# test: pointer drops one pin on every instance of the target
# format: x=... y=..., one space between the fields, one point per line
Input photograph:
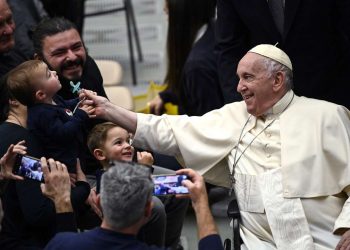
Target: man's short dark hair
x=49 y=27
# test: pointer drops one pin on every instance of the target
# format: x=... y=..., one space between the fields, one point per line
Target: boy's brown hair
x=98 y=135
x=21 y=81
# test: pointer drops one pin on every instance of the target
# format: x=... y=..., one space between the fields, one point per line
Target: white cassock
x=293 y=178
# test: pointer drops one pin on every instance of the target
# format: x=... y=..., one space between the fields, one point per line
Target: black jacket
x=316 y=38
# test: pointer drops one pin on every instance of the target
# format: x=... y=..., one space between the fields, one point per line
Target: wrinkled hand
x=156 y=105
x=78 y=175
x=344 y=243
x=196 y=187
x=92 y=201
x=82 y=96
x=57 y=184
x=7 y=162
x=145 y=158
x=98 y=103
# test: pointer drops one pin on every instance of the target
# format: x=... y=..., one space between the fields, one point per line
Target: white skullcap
x=274 y=53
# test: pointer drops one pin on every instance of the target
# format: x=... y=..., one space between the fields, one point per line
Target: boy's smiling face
x=117 y=145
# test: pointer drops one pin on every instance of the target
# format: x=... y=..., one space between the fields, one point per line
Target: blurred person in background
x=192 y=78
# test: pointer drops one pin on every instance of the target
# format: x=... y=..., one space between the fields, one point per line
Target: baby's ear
x=99 y=154
x=40 y=95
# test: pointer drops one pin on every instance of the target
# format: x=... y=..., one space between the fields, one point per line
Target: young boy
x=56 y=122
x=108 y=142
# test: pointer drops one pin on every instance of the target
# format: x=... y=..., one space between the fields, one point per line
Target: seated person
x=125 y=199
x=57 y=123
x=109 y=142
x=29 y=217
x=57 y=186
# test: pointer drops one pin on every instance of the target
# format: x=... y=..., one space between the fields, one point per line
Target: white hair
x=273 y=67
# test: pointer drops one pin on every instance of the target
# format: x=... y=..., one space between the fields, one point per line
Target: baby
x=57 y=123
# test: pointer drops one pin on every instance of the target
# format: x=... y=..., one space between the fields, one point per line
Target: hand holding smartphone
x=28 y=167
x=169 y=184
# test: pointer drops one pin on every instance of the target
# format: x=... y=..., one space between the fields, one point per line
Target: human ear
x=40 y=95
x=99 y=154
x=279 y=81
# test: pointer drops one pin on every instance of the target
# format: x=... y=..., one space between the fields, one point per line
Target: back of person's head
x=22 y=81
x=98 y=135
x=49 y=27
x=125 y=190
x=186 y=17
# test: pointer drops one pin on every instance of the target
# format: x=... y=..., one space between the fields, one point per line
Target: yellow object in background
x=140 y=101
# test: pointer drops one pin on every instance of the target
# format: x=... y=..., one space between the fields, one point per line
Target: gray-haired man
x=276 y=147
x=125 y=199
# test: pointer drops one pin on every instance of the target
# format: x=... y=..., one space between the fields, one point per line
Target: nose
x=127 y=145
x=8 y=29
x=240 y=86
x=71 y=55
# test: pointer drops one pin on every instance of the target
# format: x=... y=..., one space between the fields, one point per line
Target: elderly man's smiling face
x=257 y=87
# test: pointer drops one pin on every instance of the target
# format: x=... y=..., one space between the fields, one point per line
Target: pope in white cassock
x=289 y=155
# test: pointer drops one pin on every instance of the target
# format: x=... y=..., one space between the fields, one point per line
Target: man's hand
x=196 y=187
x=57 y=185
x=104 y=109
x=156 y=105
x=145 y=158
x=92 y=201
x=97 y=103
x=8 y=161
x=344 y=243
x=78 y=176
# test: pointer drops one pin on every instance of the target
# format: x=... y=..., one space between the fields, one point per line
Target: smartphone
x=169 y=184
x=28 y=167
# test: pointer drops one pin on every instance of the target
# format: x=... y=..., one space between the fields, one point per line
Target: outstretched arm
x=104 y=109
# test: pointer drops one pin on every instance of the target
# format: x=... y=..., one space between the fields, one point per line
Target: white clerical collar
x=281 y=105
x=201 y=32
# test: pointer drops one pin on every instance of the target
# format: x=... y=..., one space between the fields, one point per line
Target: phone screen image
x=169 y=184
x=30 y=167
